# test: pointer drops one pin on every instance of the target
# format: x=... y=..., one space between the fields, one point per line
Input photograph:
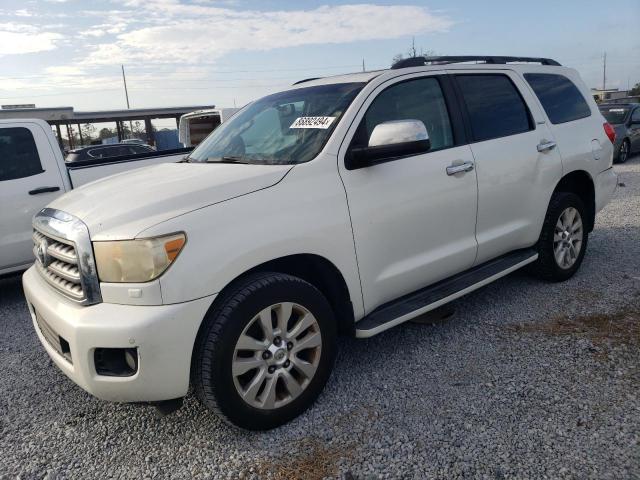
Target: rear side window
x=494 y=106
x=559 y=97
x=18 y=154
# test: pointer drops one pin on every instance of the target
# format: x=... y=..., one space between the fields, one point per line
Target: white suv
x=347 y=204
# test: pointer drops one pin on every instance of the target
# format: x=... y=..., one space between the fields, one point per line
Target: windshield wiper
x=227 y=159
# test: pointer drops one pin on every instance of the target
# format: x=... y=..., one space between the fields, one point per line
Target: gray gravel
x=527 y=380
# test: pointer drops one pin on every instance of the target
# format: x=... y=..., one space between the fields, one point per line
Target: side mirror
x=388 y=141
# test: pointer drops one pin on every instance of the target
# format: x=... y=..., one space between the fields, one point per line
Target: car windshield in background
x=284 y=128
x=614 y=115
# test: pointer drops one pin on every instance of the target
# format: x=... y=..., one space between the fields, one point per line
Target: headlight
x=136 y=260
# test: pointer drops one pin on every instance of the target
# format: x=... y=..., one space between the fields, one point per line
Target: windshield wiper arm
x=227 y=159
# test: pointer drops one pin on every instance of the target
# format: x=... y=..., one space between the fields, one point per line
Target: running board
x=415 y=304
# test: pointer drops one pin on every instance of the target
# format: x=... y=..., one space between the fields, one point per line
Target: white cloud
x=177 y=33
x=17 y=39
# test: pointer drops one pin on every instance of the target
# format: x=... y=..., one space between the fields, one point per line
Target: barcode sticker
x=313 y=122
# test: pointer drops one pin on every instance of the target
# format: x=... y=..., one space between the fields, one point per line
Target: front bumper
x=606 y=184
x=164 y=336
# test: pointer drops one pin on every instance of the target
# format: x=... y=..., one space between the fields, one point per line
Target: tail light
x=611 y=133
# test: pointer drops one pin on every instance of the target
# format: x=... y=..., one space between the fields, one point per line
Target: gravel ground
x=526 y=380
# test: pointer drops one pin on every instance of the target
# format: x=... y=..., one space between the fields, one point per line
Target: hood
x=123 y=205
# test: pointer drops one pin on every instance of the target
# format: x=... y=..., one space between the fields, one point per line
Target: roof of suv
x=430 y=63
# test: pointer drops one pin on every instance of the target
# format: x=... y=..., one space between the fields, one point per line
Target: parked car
x=625 y=119
x=33 y=173
x=93 y=152
x=342 y=205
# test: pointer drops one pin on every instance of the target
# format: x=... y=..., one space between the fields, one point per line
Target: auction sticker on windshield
x=312 y=122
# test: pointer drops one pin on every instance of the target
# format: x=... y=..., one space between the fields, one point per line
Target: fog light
x=116 y=362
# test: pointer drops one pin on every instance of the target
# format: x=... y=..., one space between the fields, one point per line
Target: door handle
x=43 y=190
x=545 y=145
x=461 y=167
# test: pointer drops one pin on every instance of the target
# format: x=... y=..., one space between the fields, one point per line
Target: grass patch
x=314 y=461
x=617 y=328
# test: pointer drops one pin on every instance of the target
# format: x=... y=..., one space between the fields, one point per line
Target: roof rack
x=421 y=61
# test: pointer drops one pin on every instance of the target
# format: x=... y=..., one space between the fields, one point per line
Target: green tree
x=635 y=90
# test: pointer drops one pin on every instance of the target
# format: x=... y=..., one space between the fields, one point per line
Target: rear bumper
x=163 y=336
x=606 y=184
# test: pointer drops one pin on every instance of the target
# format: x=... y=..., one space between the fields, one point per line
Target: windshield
x=614 y=114
x=284 y=128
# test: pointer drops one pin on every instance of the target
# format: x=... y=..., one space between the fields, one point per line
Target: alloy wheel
x=567 y=238
x=624 y=152
x=276 y=355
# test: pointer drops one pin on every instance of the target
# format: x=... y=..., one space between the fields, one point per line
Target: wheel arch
x=581 y=183
x=319 y=272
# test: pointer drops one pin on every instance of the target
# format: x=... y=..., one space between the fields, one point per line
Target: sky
x=229 y=52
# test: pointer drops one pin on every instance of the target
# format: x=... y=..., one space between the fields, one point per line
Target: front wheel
x=265 y=351
x=563 y=240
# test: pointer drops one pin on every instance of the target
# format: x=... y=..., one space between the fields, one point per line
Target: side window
x=18 y=154
x=635 y=116
x=96 y=153
x=420 y=99
x=559 y=97
x=494 y=105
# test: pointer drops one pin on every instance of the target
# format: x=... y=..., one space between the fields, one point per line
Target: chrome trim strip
x=70 y=229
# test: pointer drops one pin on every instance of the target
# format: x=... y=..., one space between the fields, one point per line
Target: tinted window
x=614 y=115
x=559 y=97
x=18 y=154
x=108 y=152
x=419 y=99
x=140 y=149
x=635 y=116
x=495 y=106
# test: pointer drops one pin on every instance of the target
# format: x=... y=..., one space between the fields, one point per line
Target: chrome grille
x=60 y=267
x=64 y=255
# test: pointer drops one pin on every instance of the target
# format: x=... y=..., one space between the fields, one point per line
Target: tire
x=623 y=152
x=233 y=323
x=548 y=266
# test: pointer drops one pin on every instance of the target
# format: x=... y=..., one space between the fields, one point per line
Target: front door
x=29 y=180
x=413 y=223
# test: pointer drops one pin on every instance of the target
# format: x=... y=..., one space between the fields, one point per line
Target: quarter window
x=421 y=99
x=559 y=97
x=18 y=154
x=494 y=106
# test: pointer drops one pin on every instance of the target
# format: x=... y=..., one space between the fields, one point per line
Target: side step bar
x=431 y=297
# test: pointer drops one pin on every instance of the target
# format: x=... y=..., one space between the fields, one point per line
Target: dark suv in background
x=625 y=119
x=106 y=151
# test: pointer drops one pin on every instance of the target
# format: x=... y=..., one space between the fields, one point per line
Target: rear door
x=516 y=161
x=29 y=180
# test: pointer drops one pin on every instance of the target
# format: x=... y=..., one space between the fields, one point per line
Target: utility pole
x=413 y=47
x=604 y=71
x=363 y=69
x=126 y=93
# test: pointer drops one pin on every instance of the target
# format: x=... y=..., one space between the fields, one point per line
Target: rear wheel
x=563 y=240
x=265 y=352
x=623 y=151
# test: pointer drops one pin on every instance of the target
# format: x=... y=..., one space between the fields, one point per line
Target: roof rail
x=306 y=80
x=421 y=61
